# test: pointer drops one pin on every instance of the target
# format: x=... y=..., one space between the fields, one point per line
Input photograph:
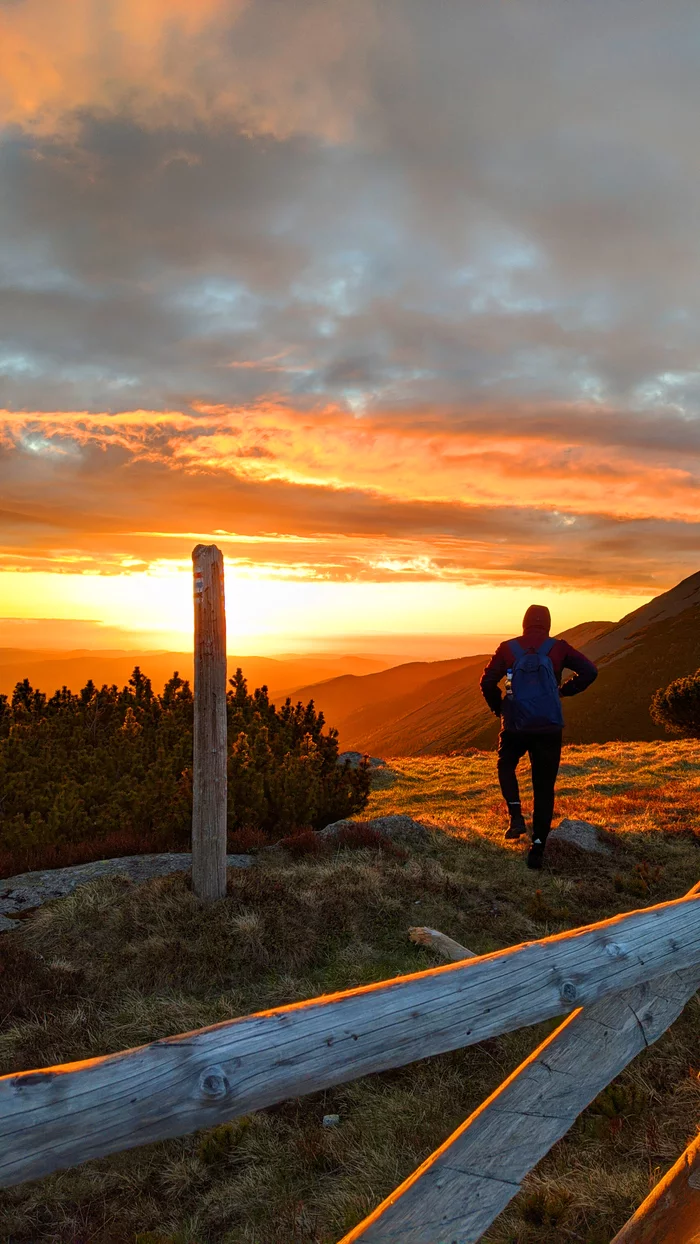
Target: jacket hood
x=537 y=617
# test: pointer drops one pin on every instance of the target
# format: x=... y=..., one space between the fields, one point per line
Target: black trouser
x=544 y=751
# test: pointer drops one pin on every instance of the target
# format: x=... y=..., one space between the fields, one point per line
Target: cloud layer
x=381 y=290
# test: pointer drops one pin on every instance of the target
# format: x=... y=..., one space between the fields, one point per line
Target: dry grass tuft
x=116 y=965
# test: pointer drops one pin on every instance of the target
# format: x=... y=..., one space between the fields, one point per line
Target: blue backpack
x=532 y=693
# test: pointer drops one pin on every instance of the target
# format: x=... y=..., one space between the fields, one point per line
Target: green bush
x=677 y=707
x=110 y=766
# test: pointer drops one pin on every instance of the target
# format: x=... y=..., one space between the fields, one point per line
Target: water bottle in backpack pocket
x=532 y=699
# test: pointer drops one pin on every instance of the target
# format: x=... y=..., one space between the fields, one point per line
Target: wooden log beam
x=456 y=1194
x=60 y=1116
x=444 y=945
x=209 y=752
x=671 y=1212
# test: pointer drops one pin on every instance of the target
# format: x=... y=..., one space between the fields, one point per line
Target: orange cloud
x=323 y=495
x=401 y=460
x=175 y=61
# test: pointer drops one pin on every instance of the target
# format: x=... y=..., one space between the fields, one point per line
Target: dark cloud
x=450 y=224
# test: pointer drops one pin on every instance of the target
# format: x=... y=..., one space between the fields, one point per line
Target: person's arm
x=496 y=669
x=585 y=672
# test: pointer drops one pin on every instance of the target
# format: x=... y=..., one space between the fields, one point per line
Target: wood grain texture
x=671 y=1212
x=209 y=756
x=61 y=1116
x=458 y=1192
x=461 y=1188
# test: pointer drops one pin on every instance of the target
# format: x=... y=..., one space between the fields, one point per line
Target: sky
x=398 y=303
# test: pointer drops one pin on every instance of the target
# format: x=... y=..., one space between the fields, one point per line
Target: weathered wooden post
x=209 y=777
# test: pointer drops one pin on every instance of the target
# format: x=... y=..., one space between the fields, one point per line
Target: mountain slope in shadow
x=428 y=708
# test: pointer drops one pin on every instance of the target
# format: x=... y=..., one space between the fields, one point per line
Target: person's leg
x=511 y=748
x=545 y=755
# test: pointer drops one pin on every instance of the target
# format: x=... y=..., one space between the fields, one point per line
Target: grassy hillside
x=434 y=709
x=617 y=705
x=630 y=629
x=116 y=965
x=356 y=705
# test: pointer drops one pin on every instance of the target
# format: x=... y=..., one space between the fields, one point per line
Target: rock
x=331 y=1120
x=582 y=835
x=397 y=827
x=29 y=890
x=6 y=926
x=356 y=759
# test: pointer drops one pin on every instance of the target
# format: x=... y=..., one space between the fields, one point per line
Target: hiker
x=532 y=718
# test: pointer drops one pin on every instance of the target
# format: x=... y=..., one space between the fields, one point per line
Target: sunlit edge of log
x=671 y=1212
x=492 y=1172
x=61 y=1116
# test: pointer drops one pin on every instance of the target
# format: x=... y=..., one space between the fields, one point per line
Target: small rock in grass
x=397 y=827
x=356 y=758
x=331 y=1120
x=581 y=834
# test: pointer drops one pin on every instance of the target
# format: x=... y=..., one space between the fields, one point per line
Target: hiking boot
x=517 y=825
x=534 y=855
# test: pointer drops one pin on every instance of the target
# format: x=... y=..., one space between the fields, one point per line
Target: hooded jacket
x=536 y=627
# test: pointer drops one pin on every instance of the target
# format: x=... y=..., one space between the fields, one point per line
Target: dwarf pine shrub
x=677 y=706
x=113 y=767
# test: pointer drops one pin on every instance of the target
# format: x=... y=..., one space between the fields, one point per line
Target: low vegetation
x=116 y=964
x=677 y=707
x=108 y=772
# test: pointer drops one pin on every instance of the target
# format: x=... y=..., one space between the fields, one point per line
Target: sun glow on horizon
x=265 y=614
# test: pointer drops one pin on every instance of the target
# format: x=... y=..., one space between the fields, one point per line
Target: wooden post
x=671 y=1212
x=209 y=762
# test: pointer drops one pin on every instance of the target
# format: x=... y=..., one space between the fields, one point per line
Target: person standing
x=531 y=717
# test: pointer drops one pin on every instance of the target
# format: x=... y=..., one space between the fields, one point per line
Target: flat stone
x=397 y=826
x=581 y=834
x=29 y=890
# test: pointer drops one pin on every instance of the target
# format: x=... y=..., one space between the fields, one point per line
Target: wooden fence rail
x=61 y=1116
x=671 y=1212
x=457 y=1192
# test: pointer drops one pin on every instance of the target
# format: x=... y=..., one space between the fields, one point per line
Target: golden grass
x=116 y=965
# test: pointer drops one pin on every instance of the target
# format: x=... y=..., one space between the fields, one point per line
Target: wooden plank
x=209 y=758
x=671 y=1212
x=61 y=1116
x=461 y=1188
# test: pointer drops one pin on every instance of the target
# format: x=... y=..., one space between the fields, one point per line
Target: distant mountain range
x=426 y=707
x=49 y=669
x=435 y=707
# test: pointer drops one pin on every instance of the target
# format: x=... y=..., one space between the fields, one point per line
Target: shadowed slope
x=436 y=708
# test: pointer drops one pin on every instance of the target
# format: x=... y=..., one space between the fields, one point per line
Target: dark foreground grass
x=116 y=965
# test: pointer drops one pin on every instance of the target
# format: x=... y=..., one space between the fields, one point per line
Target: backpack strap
x=545 y=648
x=516 y=649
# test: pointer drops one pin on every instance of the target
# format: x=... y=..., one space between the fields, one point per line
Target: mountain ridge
x=443 y=710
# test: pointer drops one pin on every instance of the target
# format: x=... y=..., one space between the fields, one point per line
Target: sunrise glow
x=409 y=375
